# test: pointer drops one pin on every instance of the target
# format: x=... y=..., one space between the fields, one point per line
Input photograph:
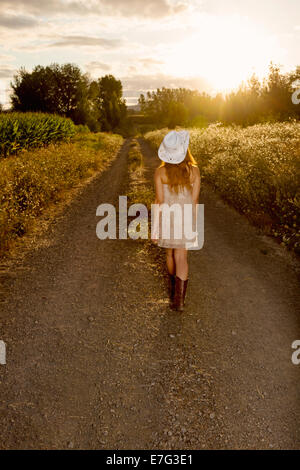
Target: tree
x=107 y=96
x=179 y=106
x=61 y=89
x=276 y=94
x=177 y=114
x=294 y=83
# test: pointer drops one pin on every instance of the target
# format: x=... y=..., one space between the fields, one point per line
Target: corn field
x=256 y=169
x=20 y=131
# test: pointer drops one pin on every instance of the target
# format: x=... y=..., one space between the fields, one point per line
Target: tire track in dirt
x=240 y=321
x=97 y=360
x=91 y=361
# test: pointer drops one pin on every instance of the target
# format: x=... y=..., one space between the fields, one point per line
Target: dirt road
x=95 y=359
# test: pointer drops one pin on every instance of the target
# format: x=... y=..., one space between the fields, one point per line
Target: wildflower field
x=34 y=179
x=256 y=169
x=20 y=131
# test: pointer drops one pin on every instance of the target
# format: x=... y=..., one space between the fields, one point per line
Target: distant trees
x=270 y=100
x=178 y=106
x=65 y=90
x=255 y=101
x=177 y=114
x=107 y=97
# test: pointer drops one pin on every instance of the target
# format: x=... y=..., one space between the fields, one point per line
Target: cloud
x=17 y=21
x=86 y=41
x=7 y=71
x=151 y=8
x=38 y=7
x=95 y=65
x=142 y=81
x=6 y=57
x=135 y=85
x=131 y=101
x=148 y=62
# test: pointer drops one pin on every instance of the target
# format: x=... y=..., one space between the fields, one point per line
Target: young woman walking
x=177 y=182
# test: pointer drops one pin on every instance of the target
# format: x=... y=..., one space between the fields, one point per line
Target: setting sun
x=225 y=51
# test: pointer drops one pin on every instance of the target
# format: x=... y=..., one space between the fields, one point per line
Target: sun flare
x=225 y=51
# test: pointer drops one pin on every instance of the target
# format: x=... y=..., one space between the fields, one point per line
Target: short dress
x=178 y=228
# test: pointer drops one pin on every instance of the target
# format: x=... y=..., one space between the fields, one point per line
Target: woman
x=177 y=181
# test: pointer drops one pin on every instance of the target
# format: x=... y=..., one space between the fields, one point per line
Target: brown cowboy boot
x=184 y=290
x=180 y=291
x=172 y=279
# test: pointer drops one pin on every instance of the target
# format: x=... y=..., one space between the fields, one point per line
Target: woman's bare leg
x=181 y=262
x=170 y=260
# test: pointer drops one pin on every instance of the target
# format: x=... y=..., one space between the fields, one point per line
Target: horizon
x=154 y=47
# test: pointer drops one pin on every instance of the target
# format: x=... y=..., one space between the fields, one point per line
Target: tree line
x=255 y=101
x=66 y=91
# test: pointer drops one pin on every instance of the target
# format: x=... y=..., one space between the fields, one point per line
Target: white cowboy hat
x=174 y=147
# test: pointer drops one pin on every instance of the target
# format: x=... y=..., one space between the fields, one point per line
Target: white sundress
x=179 y=229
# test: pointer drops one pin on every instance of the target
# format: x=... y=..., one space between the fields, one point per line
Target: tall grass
x=139 y=192
x=256 y=169
x=20 y=131
x=35 y=179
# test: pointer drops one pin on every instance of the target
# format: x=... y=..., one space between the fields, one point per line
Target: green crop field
x=19 y=131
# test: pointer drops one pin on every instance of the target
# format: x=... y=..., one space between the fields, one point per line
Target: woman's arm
x=196 y=185
x=159 y=194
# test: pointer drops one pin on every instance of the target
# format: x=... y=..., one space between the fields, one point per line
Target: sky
x=209 y=45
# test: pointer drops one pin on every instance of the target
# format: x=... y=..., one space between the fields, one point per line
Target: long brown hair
x=179 y=174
